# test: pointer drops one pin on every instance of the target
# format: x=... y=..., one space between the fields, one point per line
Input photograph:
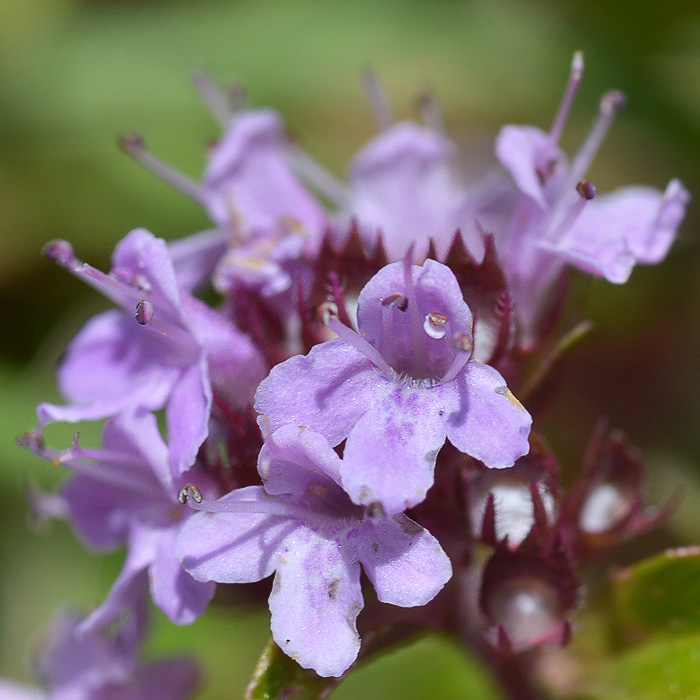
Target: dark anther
x=189 y=491
x=144 y=312
x=586 y=189
x=396 y=299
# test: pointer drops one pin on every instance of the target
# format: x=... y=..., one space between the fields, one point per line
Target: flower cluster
x=389 y=439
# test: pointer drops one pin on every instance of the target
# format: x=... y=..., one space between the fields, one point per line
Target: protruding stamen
x=59 y=251
x=144 y=312
x=325 y=183
x=213 y=97
x=377 y=98
x=430 y=112
x=610 y=104
x=395 y=300
x=189 y=491
x=562 y=114
x=237 y=96
x=134 y=146
x=586 y=189
x=435 y=324
x=191 y=496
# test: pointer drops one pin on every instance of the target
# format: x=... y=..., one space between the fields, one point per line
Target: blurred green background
x=74 y=73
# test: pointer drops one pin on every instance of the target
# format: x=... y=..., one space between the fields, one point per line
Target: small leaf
x=277 y=677
x=659 y=596
x=657 y=671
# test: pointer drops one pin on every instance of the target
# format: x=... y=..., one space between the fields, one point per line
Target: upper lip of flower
x=437 y=348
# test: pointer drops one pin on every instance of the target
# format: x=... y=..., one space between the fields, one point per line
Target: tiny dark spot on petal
x=332 y=589
x=407 y=525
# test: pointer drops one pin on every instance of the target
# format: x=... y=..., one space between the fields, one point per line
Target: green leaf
x=658 y=671
x=277 y=677
x=659 y=596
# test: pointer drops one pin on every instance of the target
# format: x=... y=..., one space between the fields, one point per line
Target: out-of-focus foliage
x=656 y=613
x=74 y=73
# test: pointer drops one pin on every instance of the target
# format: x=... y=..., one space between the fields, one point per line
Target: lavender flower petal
x=315 y=583
x=174 y=591
x=390 y=453
x=483 y=418
x=405 y=563
x=328 y=390
x=232 y=547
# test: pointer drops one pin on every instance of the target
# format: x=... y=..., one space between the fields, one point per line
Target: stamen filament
x=104 y=468
x=430 y=112
x=388 y=332
x=417 y=333
x=134 y=146
x=567 y=99
x=462 y=343
x=378 y=100
x=586 y=192
x=610 y=105
x=265 y=505
x=359 y=343
x=317 y=176
x=213 y=97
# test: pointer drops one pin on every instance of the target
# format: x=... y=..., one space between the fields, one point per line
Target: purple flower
x=398 y=388
x=162 y=348
x=265 y=216
x=78 y=665
x=303 y=526
x=406 y=189
x=126 y=492
x=558 y=218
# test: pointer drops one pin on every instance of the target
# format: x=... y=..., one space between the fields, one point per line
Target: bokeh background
x=75 y=73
